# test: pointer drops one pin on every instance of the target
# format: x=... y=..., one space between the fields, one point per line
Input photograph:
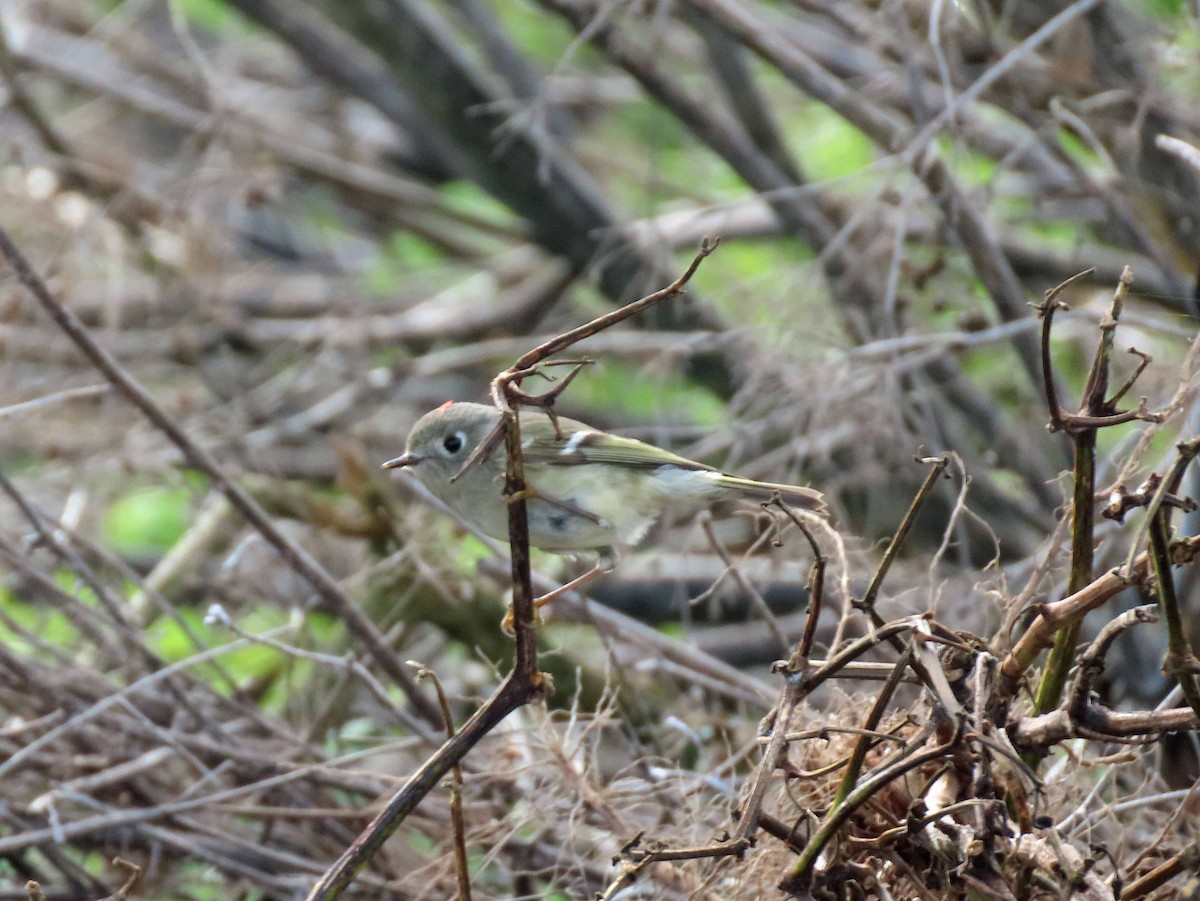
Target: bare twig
x=874 y=716
x=1046 y=310
x=55 y=397
x=1091 y=661
x=756 y=598
x=936 y=466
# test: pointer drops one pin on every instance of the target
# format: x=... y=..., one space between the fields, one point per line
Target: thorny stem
x=1083 y=522
x=1053 y=616
x=518 y=537
x=1165 y=493
x=1096 y=411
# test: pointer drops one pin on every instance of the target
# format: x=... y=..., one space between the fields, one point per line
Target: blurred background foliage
x=302 y=224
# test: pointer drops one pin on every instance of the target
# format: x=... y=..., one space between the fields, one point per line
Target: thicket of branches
x=248 y=242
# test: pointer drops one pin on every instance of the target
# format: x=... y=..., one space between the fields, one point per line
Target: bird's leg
x=606 y=564
x=598 y=570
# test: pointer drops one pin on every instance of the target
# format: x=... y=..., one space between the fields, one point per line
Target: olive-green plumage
x=594 y=491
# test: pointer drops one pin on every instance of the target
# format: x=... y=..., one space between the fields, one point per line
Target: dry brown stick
x=936 y=466
x=733 y=569
x=1091 y=661
x=1096 y=411
x=933 y=679
x=855 y=649
x=1181 y=862
x=1098 y=723
x=639 y=859
x=299 y=559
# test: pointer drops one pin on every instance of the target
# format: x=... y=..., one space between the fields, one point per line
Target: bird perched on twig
x=589 y=491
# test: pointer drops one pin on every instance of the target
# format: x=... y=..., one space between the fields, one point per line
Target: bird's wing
x=583 y=445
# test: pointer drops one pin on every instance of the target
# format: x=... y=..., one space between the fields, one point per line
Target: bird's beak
x=402 y=461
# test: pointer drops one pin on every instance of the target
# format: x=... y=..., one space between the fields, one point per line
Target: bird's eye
x=453 y=443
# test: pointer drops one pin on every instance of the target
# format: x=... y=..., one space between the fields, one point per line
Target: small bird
x=589 y=491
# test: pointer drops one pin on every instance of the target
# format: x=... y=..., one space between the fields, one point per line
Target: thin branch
x=55 y=397
x=1091 y=661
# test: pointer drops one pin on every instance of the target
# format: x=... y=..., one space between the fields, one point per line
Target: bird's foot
x=508 y=625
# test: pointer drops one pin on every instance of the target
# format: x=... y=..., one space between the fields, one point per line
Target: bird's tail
x=792 y=495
